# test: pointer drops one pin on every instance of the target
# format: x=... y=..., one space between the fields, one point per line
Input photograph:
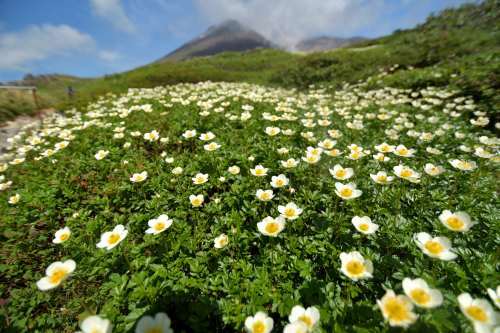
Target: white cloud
x=112 y=11
x=288 y=21
x=38 y=42
x=109 y=56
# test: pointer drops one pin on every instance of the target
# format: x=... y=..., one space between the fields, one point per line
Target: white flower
x=406 y=173
x=259 y=323
x=207 y=136
x=159 y=224
x=381 y=157
x=264 y=195
x=402 y=151
x=271 y=226
x=347 y=191
x=14 y=199
x=435 y=247
x=234 y=170
x=309 y=317
x=177 y=170
x=101 y=154
x=340 y=173
x=221 y=241
x=200 y=178
x=458 y=221
x=311 y=158
x=479 y=311
x=279 y=181
x=196 y=200
x=421 y=294
x=211 y=146
x=433 y=170
x=463 y=165
x=96 y=324
x=495 y=296
x=272 y=131
x=355 y=266
x=259 y=171
x=364 y=225
x=296 y=327
x=397 y=309
x=384 y=148
x=56 y=273
x=61 y=235
x=290 y=163
x=6 y=185
x=139 y=177
x=189 y=134
x=381 y=178
x=160 y=323
x=290 y=211
x=152 y=136
x=110 y=239
x=169 y=160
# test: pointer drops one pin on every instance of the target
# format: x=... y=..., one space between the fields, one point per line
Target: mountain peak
x=229 y=35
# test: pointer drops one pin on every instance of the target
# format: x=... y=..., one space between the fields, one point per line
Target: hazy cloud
x=39 y=42
x=112 y=11
x=110 y=56
x=288 y=21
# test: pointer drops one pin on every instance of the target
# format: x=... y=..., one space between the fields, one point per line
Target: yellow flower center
x=259 y=171
x=382 y=178
x=455 y=223
x=265 y=196
x=306 y=320
x=396 y=310
x=340 y=173
x=355 y=267
x=420 y=296
x=477 y=313
x=258 y=327
x=58 y=275
x=464 y=165
x=155 y=329
x=196 y=202
x=64 y=237
x=159 y=226
x=272 y=227
x=289 y=212
x=405 y=173
x=113 y=238
x=280 y=182
x=434 y=247
x=346 y=192
x=403 y=151
x=355 y=154
x=364 y=227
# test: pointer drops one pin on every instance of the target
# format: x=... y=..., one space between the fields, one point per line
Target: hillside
x=349 y=191
x=461 y=44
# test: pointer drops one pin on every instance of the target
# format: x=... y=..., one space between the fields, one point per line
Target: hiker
x=71 y=92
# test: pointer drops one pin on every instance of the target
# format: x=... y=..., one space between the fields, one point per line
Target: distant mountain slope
x=227 y=36
x=325 y=43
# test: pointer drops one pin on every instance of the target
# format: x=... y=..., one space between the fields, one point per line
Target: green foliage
x=207 y=289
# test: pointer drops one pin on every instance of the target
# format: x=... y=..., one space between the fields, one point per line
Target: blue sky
x=96 y=37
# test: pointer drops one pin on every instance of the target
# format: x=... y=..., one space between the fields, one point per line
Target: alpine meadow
x=347 y=190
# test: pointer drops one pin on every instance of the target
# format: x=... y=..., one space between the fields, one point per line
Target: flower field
x=232 y=207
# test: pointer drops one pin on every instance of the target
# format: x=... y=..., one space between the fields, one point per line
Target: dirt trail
x=14 y=126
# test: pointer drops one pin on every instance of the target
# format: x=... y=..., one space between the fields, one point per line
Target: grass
x=203 y=288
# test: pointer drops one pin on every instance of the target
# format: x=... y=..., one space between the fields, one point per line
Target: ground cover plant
x=223 y=207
